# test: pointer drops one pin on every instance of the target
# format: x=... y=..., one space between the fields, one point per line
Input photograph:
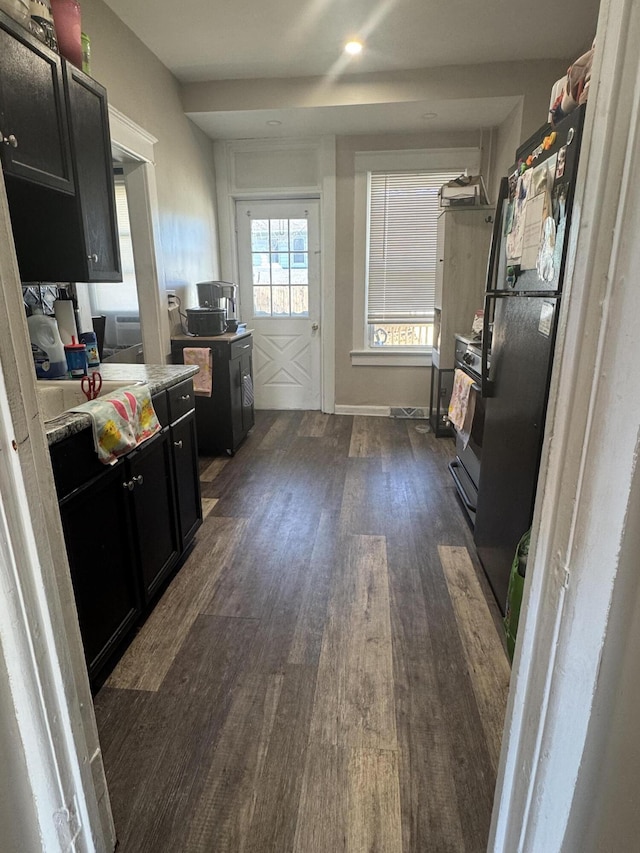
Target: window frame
x=452 y=159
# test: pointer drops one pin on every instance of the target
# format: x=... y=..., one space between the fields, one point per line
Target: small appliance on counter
x=204 y=322
x=217 y=301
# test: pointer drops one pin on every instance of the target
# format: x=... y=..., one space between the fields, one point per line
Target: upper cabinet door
x=91 y=144
x=33 y=122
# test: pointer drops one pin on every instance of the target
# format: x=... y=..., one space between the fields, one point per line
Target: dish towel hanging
x=202 y=358
x=462 y=405
x=121 y=421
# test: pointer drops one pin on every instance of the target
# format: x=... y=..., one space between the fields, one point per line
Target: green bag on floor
x=514 y=594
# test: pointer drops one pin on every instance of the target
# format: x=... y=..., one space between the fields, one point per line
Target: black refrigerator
x=522 y=300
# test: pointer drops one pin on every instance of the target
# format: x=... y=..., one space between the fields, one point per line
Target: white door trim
x=287 y=350
x=325 y=190
x=588 y=478
x=136 y=146
x=43 y=678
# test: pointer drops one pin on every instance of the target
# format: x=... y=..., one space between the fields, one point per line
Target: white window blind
x=119 y=296
x=402 y=232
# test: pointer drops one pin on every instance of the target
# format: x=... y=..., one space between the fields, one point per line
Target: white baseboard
x=371 y=411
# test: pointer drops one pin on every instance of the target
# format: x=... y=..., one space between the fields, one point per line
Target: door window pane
x=281 y=301
x=262 y=301
x=280 y=267
x=300 y=301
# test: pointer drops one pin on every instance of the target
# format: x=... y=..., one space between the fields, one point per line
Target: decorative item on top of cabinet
x=34 y=130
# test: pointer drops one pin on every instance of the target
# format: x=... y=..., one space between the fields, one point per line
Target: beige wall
x=410 y=386
x=145 y=91
x=363 y=385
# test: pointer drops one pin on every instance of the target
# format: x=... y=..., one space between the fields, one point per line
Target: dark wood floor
x=325 y=673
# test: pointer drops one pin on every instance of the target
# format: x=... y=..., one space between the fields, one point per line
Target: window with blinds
x=119 y=296
x=403 y=208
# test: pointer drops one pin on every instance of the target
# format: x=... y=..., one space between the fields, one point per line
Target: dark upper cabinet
x=95 y=197
x=63 y=230
x=34 y=129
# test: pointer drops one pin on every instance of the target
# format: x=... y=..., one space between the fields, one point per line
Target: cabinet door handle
x=138 y=480
x=10 y=140
x=129 y=484
x=178 y=444
x=246 y=346
x=93 y=258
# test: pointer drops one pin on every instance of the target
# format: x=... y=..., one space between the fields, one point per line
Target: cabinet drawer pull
x=186 y=397
x=129 y=484
x=178 y=444
x=138 y=480
x=10 y=140
x=93 y=258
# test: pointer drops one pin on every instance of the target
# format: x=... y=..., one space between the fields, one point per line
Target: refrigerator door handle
x=496 y=239
x=486 y=389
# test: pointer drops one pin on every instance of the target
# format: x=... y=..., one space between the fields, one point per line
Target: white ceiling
x=200 y=40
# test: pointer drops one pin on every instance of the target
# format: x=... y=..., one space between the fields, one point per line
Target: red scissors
x=91 y=385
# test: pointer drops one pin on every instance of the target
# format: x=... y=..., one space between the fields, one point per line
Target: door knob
x=314 y=327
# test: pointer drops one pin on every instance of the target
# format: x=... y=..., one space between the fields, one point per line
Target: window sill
x=389 y=358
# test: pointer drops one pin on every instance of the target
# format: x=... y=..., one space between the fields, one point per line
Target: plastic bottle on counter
x=76 y=357
x=46 y=346
x=90 y=340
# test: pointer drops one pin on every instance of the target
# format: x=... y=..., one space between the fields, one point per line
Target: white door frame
x=570 y=634
x=137 y=149
x=325 y=190
x=43 y=678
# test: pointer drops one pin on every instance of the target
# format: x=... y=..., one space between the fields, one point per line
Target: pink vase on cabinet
x=67 y=20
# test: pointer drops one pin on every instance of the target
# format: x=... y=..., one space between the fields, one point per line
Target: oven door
x=465 y=468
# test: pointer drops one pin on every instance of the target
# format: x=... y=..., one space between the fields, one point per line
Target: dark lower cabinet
x=153 y=504
x=97 y=531
x=128 y=526
x=185 y=461
x=223 y=419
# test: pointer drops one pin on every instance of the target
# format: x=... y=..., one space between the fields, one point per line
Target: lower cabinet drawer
x=181 y=399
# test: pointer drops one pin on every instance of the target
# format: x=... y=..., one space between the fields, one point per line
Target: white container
x=46 y=346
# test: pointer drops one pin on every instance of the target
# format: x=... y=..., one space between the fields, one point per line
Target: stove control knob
x=467 y=358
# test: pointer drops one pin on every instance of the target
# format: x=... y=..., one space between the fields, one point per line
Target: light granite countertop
x=156 y=376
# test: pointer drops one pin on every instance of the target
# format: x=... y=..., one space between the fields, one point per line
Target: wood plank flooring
x=325 y=674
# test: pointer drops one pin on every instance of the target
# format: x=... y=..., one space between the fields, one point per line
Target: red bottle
x=66 y=17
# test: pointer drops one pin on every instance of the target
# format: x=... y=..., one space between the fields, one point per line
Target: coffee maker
x=217 y=301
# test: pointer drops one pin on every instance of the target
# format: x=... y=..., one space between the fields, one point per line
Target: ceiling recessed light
x=429 y=116
x=274 y=122
x=353 y=47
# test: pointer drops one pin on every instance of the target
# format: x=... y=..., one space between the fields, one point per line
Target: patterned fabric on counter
x=121 y=421
x=202 y=358
x=462 y=405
